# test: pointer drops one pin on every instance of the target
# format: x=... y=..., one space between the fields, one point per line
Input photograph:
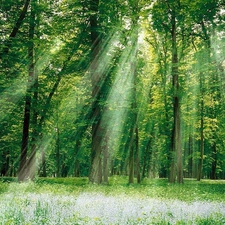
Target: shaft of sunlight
x=17 y=89
x=119 y=99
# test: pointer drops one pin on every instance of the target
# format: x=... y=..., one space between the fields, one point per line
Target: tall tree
x=24 y=172
x=134 y=164
x=204 y=18
x=169 y=24
x=177 y=147
x=96 y=162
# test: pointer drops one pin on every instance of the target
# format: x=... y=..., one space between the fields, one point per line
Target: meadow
x=72 y=201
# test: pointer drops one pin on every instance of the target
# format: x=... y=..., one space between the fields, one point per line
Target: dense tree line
x=94 y=88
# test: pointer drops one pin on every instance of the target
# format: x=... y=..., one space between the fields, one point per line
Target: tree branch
x=16 y=27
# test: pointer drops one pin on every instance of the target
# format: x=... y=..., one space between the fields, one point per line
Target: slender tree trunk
x=96 y=162
x=164 y=169
x=32 y=165
x=32 y=159
x=5 y=159
x=134 y=148
x=131 y=165
x=200 y=165
x=105 y=161
x=178 y=144
x=146 y=158
x=23 y=173
x=176 y=154
x=24 y=148
x=31 y=162
x=137 y=160
x=7 y=163
x=42 y=169
x=134 y=164
x=202 y=84
x=16 y=28
x=58 y=164
x=214 y=162
x=190 y=152
x=77 y=168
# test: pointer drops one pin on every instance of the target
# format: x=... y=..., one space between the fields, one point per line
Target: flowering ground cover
x=67 y=203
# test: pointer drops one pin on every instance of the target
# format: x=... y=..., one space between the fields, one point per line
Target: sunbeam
x=118 y=101
x=17 y=89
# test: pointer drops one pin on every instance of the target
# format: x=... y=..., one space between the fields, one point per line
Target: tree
x=134 y=164
x=15 y=29
x=169 y=24
x=24 y=171
x=114 y=87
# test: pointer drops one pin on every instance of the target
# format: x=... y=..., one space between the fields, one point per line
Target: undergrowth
x=191 y=190
x=75 y=201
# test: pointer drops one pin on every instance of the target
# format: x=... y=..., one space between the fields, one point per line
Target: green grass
x=191 y=190
x=46 y=198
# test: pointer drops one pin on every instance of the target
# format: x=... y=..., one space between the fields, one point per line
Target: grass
x=74 y=201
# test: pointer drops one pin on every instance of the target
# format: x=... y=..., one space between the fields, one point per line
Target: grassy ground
x=74 y=201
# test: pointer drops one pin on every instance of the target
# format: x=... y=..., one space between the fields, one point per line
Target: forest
x=94 y=88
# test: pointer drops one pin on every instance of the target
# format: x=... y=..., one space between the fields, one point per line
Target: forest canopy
x=100 y=88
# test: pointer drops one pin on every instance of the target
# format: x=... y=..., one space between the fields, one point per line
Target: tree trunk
x=96 y=162
x=23 y=168
x=105 y=162
x=202 y=86
x=26 y=166
x=176 y=153
x=200 y=165
x=147 y=158
x=134 y=164
x=22 y=175
x=31 y=162
x=190 y=152
x=15 y=28
x=77 y=168
x=131 y=165
x=58 y=161
x=96 y=154
x=42 y=170
x=137 y=157
x=214 y=162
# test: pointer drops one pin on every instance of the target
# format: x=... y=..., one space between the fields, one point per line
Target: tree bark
x=23 y=168
x=131 y=165
x=202 y=84
x=190 y=152
x=214 y=162
x=200 y=165
x=176 y=154
x=105 y=161
x=134 y=164
x=96 y=154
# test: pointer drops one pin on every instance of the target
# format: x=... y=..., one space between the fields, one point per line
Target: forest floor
x=73 y=201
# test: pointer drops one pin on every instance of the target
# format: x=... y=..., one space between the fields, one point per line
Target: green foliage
x=62 y=47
